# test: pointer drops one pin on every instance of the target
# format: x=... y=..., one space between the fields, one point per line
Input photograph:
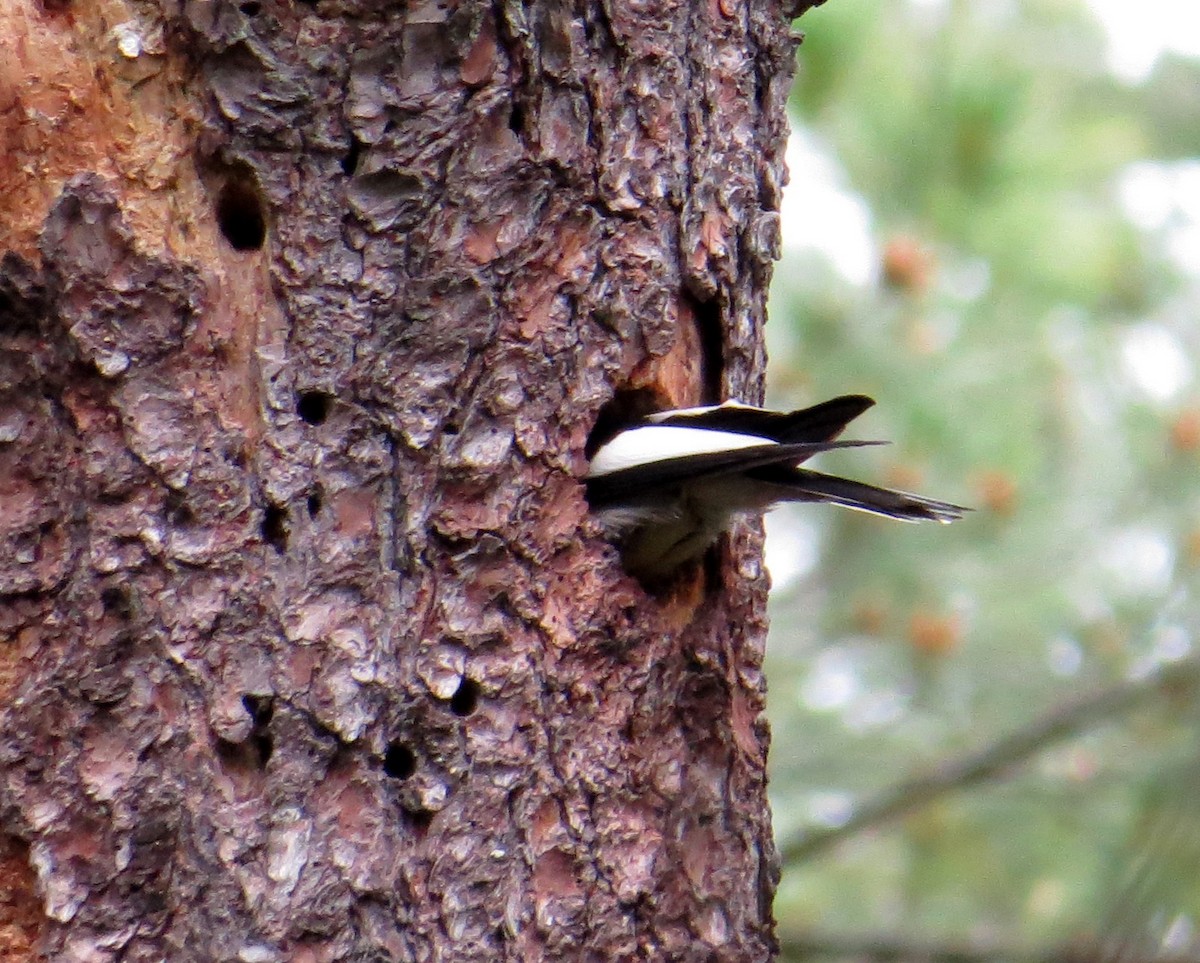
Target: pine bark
x=310 y=649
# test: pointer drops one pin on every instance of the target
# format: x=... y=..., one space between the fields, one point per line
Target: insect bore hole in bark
x=466 y=698
x=261 y=709
x=117 y=600
x=275 y=527
x=418 y=821
x=516 y=118
x=263 y=746
x=313 y=406
x=240 y=215
x=711 y=333
x=399 y=762
x=353 y=153
x=177 y=509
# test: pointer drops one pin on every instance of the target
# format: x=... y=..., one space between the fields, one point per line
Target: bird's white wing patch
x=651 y=443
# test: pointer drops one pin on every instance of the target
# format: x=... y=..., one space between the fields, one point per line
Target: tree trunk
x=311 y=650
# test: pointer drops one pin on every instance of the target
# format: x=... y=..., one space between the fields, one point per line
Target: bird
x=665 y=486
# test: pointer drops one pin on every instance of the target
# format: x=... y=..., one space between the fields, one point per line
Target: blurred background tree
x=986 y=735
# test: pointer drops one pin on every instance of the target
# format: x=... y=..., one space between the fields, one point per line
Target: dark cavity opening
x=275 y=528
x=179 y=512
x=707 y=315
x=418 y=821
x=262 y=745
x=313 y=406
x=117 y=600
x=624 y=409
x=260 y=708
x=516 y=118
x=466 y=698
x=353 y=153
x=254 y=753
x=240 y=215
x=399 y=761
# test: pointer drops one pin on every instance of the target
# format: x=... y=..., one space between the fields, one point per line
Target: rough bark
x=310 y=649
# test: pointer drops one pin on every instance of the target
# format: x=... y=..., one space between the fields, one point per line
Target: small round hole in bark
x=706 y=314
x=254 y=753
x=351 y=158
x=418 y=820
x=275 y=528
x=230 y=753
x=117 y=600
x=251 y=8
x=399 y=761
x=259 y=707
x=314 y=503
x=263 y=745
x=516 y=118
x=240 y=215
x=313 y=406
x=466 y=698
x=178 y=511
x=256 y=750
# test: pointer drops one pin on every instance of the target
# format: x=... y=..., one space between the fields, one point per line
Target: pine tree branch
x=895 y=948
x=955 y=774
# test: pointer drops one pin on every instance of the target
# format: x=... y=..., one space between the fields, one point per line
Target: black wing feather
x=645 y=479
x=822 y=422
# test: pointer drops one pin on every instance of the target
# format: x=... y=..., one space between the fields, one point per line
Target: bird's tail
x=811 y=486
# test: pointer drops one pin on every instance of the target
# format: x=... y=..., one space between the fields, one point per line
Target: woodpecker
x=665 y=487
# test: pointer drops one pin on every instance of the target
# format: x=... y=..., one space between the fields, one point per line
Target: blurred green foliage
x=1031 y=336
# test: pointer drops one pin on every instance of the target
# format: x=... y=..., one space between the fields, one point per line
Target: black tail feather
x=812 y=486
